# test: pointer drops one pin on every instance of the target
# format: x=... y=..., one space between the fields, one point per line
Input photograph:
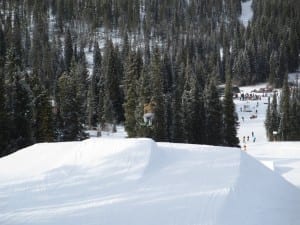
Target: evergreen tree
x=144 y=89
x=70 y=109
x=4 y=122
x=294 y=116
x=230 y=116
x=268 y=120
x=284 y=124
x=213 y=109
x=93 y=94
x=176 y=108
x=193 y=109
x=68 y=50
x=274 y=118
x=43 y=123
x=132 y=74
x=22 y=114
x=159 y=126
x=112 y=77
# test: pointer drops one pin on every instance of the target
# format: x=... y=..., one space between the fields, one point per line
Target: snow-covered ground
x=116 y=181
x=282 y=157
x=247 y=12
x=137 y=181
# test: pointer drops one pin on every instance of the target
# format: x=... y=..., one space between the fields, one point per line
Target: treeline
x=283 y=119
x=187 y=107
x=51 y=92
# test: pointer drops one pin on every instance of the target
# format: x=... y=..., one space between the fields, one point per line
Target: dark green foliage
x=284 y=124
x=285 y=118
x=272 y=119
x=113 y=74
x=132 y=74
x=294 y=128
x=44 y=39
x=214 y=120
x=193 y=110
x=94 y=90
x=44 y=124
x=230 y=116
x=159 y=122
x=68 y=50
x=22 y=115
x=4 y=119
x=70 y=108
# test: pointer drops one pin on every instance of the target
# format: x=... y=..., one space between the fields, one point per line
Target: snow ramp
x=140 y=182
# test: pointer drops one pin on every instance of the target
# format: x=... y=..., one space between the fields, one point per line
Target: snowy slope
x=282 y=157
x=138 y=181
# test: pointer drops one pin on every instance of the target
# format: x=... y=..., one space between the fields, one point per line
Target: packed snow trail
x=138 y=181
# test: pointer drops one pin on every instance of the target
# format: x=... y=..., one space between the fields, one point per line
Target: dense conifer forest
x=71 y=65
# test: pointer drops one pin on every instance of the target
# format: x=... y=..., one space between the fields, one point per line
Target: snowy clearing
x=282 y=157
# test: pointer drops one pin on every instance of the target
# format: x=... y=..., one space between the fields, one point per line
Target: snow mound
x=138 y=181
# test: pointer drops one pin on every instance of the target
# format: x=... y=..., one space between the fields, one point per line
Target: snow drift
x=140 y=182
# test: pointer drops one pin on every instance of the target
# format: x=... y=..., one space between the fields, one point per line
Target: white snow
x=116 y=181
x=282 y=157
x=247 y=12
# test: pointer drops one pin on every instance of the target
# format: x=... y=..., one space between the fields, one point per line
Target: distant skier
x=245 y=147
x=247 y=138
x=254 y=139
x=252 y=134
x=244 y=139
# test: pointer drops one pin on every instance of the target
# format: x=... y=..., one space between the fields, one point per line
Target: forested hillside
x=70 y=65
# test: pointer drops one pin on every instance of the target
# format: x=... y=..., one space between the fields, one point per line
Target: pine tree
x=268 y=120
x=284 y=124
x=68 y=50
x=159 y=126
x=130 y=83
x=294 y=116
x=230 y=116
x=112 y=77
x=43 y=116
x=93 y=93
x=144 y=90
x=4 y=122
x=176 y=107
x=193 y=109
x=274 y=119
x=22 y=114
x=70 y=108
x=213 y=109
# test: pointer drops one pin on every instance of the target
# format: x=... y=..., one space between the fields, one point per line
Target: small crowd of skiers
x=247 y=139
x=247 y=96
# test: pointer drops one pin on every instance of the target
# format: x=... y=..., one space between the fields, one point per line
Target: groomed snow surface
x=117 y=181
